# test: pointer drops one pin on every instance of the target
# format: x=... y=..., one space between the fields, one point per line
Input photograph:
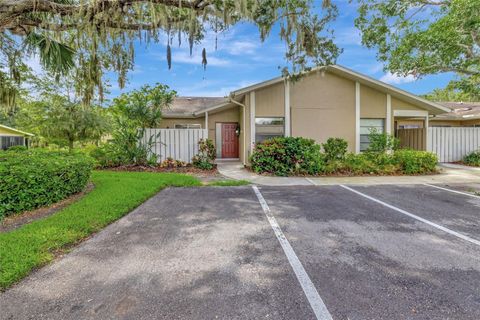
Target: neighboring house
x=10 y=137
x=326 y=102
x=462 y=114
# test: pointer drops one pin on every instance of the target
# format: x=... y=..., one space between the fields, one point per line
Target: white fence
x=452 y=144
x=179 y=144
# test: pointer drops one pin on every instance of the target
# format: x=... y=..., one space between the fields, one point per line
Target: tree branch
x=11 y=11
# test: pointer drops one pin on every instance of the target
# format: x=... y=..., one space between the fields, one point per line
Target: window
x=366 y=126
x=10 y=141
x=266 y=128
x=188 y=126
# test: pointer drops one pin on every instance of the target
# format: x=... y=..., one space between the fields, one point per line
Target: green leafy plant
x=416 y=162
x=172 y=163
x=205 y=159
x=133 y=113
x=382 y=142
x=335 y=149
x=284 y=156
x=35 y=178
x=472 y=159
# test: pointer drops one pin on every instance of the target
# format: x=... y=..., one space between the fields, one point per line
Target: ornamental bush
x=205 y=159
x=300 y=156
x=415 y=162
x=472 y=159
x=335 y=149
x=288 y=156
x=34 y=178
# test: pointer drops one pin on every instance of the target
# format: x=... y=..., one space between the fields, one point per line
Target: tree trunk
x=70 y=145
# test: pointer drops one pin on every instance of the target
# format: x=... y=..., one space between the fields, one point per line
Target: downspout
x=243 y=124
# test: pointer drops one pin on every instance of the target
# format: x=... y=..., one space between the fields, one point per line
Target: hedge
x=300 y=156
x=35 y=178
x=472 y=159
x=285 y=156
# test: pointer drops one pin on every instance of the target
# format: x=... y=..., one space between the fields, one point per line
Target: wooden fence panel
x=453 y=143
x=412 y=138
x=179 y=144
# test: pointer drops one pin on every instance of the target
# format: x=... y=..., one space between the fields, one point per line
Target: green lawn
x=115 y=194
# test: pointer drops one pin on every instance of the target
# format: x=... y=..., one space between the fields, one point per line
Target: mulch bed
x=203 y=175
x=13 y=222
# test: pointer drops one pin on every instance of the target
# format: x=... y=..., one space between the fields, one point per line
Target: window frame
x=267 y=135
x=366 y=143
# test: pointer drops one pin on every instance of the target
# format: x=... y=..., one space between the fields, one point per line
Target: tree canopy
x=422 y=37
x=99 y=35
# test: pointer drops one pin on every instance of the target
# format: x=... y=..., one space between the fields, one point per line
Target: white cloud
x=209 y=88
x=242 y=47
x=196 y=58
x=348 y=37
x=392 y=78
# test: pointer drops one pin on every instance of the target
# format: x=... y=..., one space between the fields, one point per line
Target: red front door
x=229 y=140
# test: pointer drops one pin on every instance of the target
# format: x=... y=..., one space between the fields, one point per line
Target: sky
x=241 y=59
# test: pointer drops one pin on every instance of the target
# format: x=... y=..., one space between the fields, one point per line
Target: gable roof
x=16 y=131
x=190 y=106
x=433 y=107
x=460 y=111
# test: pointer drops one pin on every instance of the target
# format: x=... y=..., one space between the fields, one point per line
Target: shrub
x=382 y=142
x=472 y=159
x=206 y=155
x=172 y=163
x=415 y=162
x=335 y=149
x=35 y=178
x=288 y=155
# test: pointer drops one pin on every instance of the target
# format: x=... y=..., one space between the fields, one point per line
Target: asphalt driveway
x=303 y=252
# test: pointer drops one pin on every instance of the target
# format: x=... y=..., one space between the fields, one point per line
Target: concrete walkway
x=449 y=174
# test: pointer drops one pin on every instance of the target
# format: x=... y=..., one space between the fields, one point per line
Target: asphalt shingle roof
x=186 y=106
x=460 y=110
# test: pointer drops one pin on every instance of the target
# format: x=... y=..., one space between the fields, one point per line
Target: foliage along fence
x=453 y=143
x=450 y=144
x=179 y=144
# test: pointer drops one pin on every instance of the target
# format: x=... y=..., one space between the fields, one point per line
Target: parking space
x=370 y=262
x=300 y=252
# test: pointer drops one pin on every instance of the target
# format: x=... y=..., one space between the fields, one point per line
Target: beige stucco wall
x=323 y=106
x=373 y=103
x=270 y=101
x=398 y=104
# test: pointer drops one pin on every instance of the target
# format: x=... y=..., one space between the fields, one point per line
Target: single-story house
x=462 y=114
x=326 y=102
x=10 y=137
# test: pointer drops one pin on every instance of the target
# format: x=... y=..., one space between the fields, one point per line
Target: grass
x=115 y=194
x=228 y=183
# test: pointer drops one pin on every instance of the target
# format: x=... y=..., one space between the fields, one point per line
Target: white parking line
x=430 y=223
x=316 y=302
x=454 y=191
